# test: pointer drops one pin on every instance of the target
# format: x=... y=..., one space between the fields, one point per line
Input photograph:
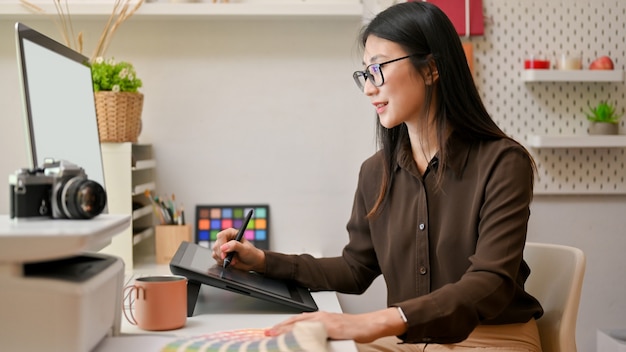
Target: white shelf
x=143 y=235
x=578 y=141
x=141 y=212
x=144 y=165
x=572 y=76
x=159 y=10
x=140 y=189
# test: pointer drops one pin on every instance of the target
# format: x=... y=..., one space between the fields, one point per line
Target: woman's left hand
x=361 y=328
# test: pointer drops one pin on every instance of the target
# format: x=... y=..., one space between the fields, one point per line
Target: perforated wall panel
x=516 y=28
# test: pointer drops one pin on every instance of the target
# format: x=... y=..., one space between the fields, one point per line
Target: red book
x=456 y=11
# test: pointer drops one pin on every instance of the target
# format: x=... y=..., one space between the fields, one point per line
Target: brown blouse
x=451 y=255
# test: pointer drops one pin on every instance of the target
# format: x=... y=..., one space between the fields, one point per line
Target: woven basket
x=119 y=116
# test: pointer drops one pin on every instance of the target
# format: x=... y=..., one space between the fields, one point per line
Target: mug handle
x=128 y=294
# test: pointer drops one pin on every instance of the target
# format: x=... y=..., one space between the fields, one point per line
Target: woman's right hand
x=247 y=256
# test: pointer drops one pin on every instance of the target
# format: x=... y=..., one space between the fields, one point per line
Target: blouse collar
x=458 y=154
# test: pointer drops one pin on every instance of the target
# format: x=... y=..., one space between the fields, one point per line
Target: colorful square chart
x=211 y=219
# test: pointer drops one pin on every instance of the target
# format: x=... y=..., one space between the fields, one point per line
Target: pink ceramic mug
x=157 y=302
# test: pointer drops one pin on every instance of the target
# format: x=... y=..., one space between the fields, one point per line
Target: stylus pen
x=238 y=238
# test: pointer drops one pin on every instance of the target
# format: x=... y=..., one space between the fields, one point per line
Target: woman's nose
x=369 y=88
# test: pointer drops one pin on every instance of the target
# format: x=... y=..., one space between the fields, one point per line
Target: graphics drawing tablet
x=196 y=264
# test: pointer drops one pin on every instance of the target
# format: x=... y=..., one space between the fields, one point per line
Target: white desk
x=219 y=310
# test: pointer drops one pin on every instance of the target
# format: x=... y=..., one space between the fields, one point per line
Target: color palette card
x=211 y=219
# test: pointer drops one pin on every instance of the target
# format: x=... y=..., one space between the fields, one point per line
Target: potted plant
x=118 y=101
x=603 y=119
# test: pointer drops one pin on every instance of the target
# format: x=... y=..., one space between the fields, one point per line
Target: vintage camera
x=58 y=189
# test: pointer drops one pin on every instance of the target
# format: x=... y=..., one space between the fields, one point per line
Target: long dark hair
x=424 y=31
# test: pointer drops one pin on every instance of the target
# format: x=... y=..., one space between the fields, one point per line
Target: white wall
x=242 y=112
x=266 y=111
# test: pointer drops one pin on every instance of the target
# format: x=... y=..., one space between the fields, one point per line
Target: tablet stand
x=193 y=289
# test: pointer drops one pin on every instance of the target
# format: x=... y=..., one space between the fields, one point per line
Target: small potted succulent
x=603 y=119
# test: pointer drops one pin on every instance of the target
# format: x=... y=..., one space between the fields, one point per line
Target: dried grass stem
x=121 y=12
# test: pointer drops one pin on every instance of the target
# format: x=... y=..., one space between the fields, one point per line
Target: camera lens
x=82 y=198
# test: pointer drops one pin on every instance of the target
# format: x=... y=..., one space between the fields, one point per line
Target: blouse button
x=422 y=226
x=423 y=270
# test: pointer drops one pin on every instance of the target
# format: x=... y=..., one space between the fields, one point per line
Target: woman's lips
x=380 y=107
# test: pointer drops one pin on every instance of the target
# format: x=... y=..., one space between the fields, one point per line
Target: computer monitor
x=59 y=105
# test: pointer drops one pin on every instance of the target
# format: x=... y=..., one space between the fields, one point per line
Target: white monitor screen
x=59 y=103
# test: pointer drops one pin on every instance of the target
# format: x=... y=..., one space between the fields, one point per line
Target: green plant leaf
x=109 y=75
x=603 y=112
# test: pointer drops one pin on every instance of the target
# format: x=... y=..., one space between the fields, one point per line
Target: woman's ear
x=432 y=74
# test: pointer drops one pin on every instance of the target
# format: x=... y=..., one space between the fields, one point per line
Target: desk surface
x=221 y=310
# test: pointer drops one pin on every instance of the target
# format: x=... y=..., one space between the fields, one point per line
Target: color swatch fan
x=305 y=337
x=211 y=219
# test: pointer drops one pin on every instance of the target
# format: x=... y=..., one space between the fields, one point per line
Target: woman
x=441 y=210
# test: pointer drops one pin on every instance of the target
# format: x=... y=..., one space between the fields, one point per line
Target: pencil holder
x=168 y=239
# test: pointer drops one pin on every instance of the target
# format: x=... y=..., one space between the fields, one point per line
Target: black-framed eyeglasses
x=374 y=73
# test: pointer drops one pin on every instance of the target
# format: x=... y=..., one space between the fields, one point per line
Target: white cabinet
x=129 y=171
x=143 y=167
